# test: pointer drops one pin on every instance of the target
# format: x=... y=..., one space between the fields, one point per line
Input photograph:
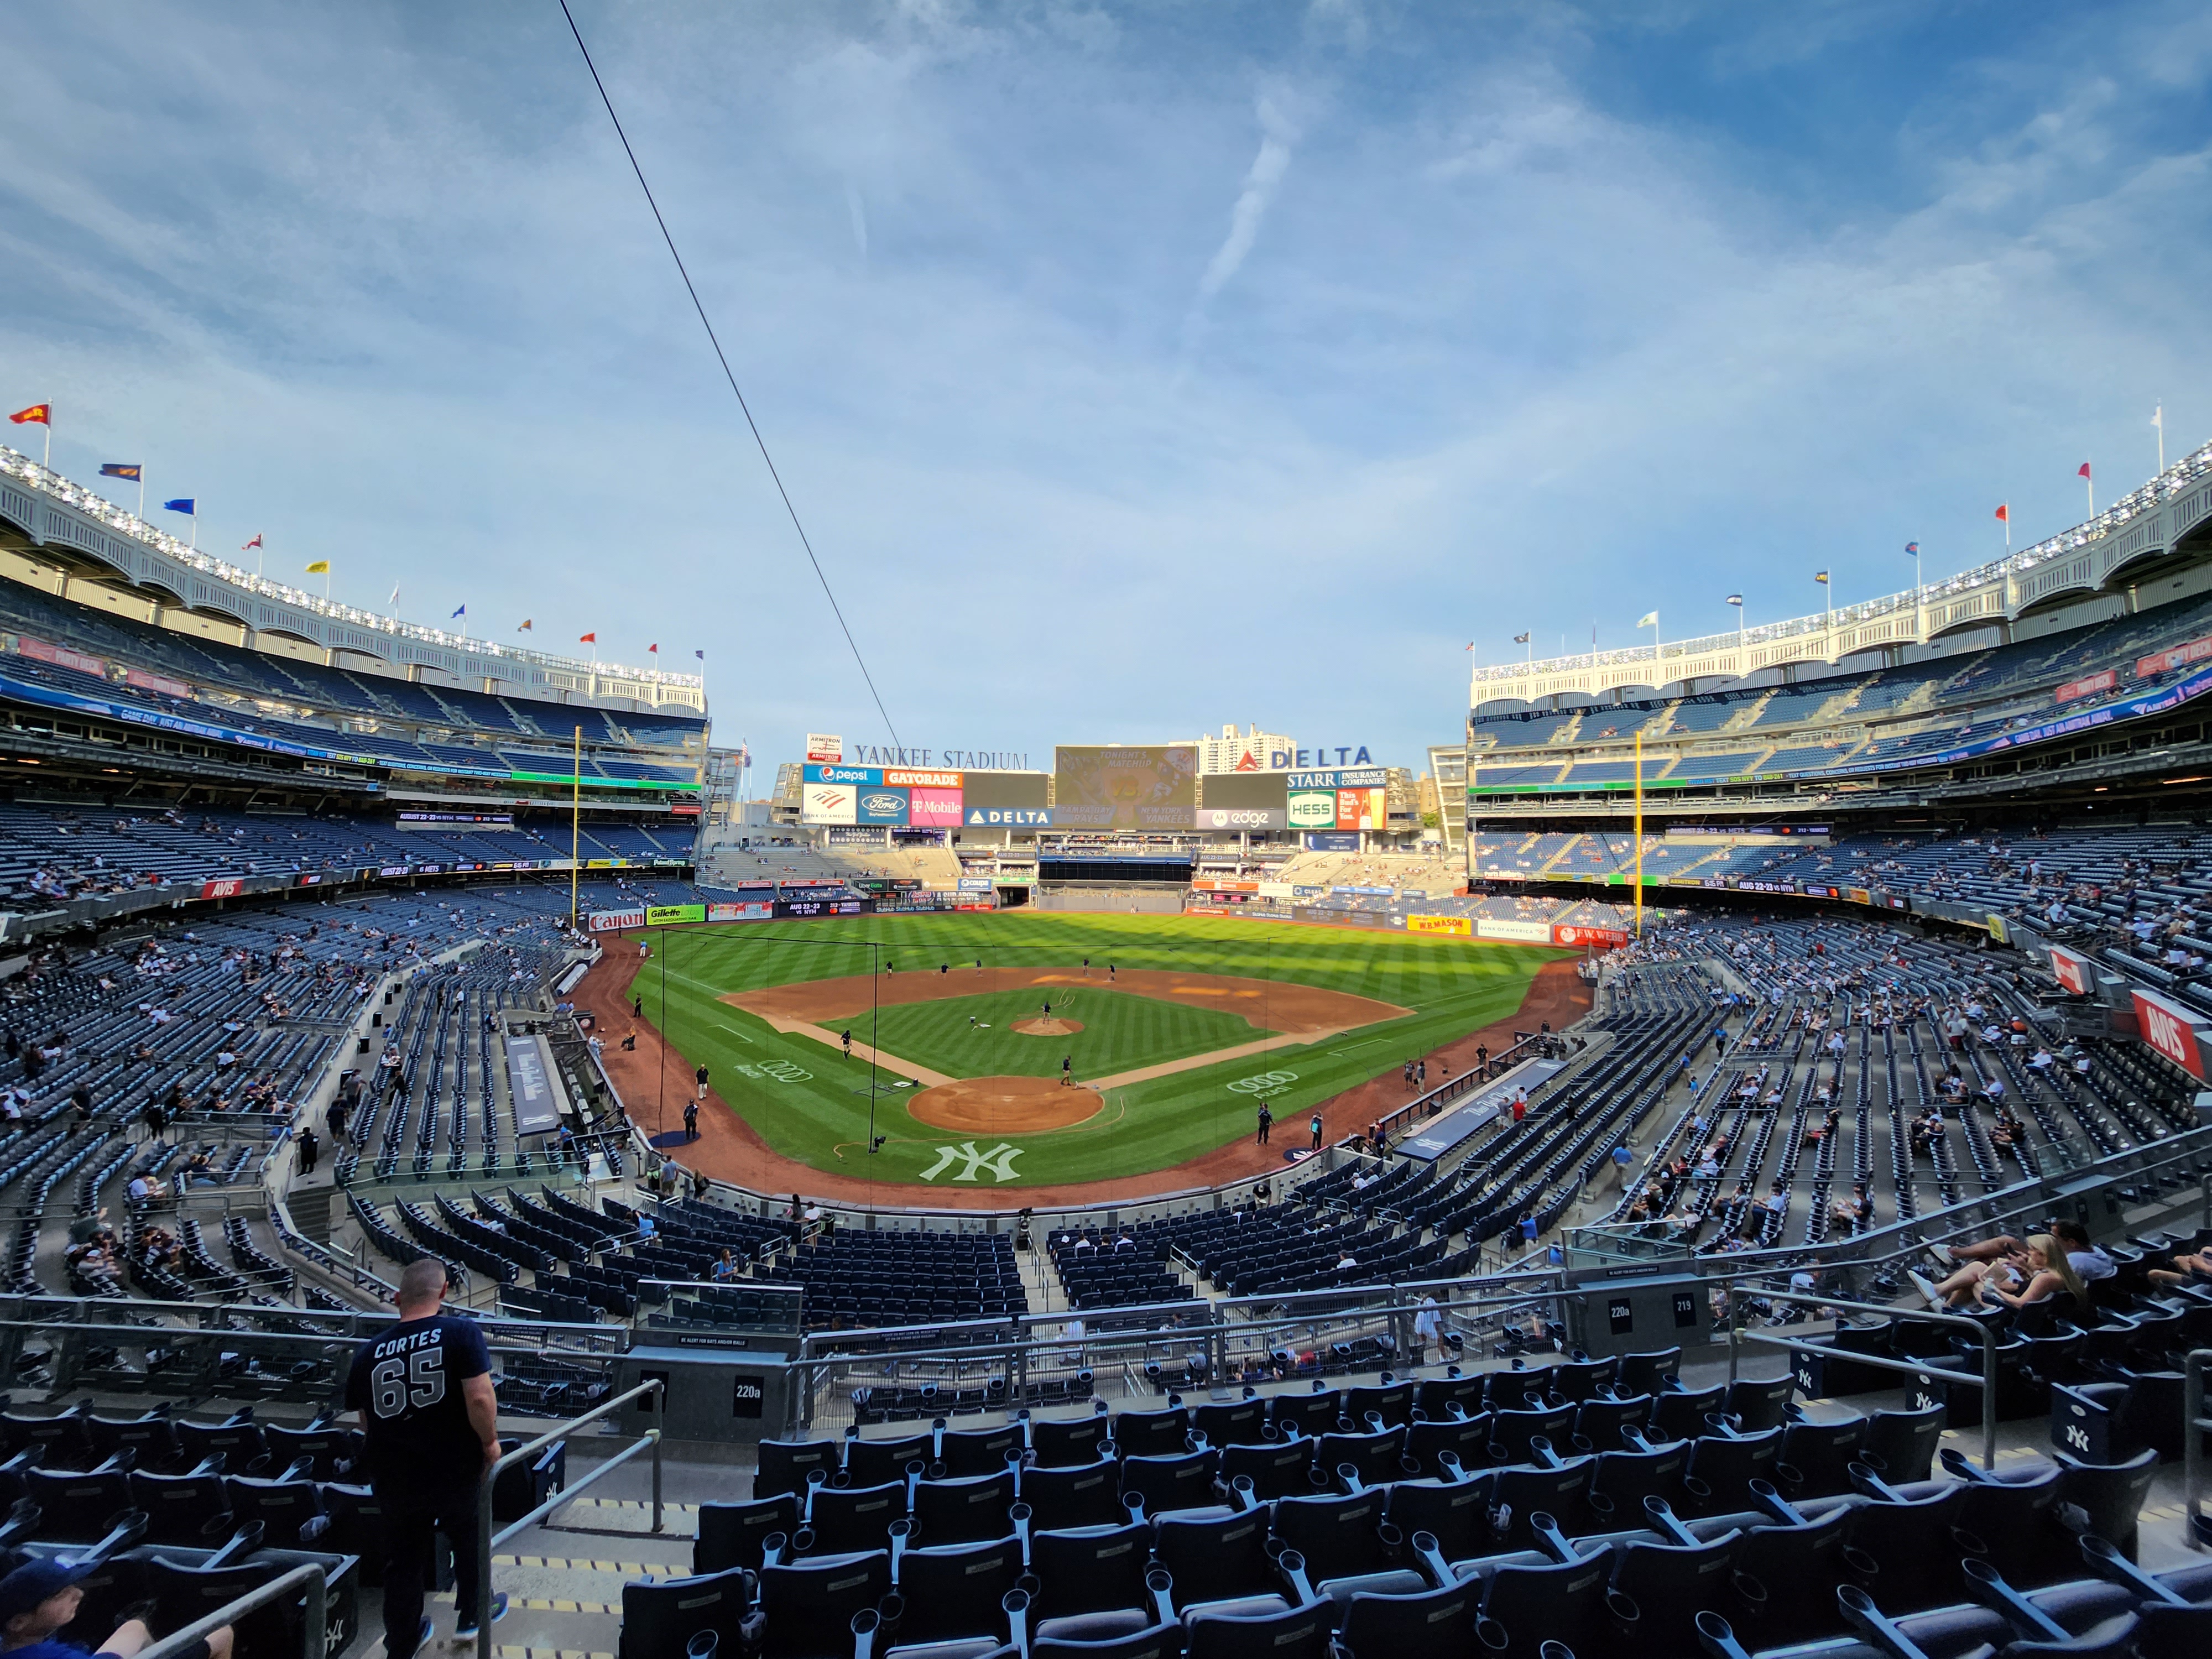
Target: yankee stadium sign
x=957 y=760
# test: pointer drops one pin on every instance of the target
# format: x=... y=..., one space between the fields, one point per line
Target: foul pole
x=1639 y=832
x=577 y=823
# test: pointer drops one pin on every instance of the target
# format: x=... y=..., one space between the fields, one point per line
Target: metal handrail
x=308 y=1575
x=1983 y=1328
x=2194 y=1427
x=487 y=1539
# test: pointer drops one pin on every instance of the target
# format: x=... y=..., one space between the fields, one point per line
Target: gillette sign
x=2173 y=1030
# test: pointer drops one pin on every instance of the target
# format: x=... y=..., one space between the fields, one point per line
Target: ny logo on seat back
x=999 y=1161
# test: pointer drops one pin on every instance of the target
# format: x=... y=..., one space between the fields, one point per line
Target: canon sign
x=2171 y=1029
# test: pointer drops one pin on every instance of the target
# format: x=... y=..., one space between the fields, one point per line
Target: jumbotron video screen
x=1116 y=788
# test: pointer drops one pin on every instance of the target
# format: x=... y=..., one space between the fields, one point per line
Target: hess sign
x=2172 y=1031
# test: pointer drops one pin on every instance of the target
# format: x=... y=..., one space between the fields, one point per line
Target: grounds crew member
x=423 y=1389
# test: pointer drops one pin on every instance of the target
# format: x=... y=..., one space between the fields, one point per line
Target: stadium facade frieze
x=53 y=513
x=2147 y=525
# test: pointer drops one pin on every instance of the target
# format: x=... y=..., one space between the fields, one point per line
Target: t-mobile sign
x=2172 y=1031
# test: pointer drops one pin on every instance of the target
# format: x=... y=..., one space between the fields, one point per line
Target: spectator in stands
x=2186 y=1269
x=308 y=1148
x=423 y=1389
x=39 y=1599
x=146 y=1189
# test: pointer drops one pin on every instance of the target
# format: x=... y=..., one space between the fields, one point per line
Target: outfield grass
x=1121 y=1033
x=809 y=1105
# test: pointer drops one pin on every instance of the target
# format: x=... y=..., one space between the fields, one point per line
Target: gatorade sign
x=2172 y=1031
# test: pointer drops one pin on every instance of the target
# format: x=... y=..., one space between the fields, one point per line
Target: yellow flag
x=320 y=568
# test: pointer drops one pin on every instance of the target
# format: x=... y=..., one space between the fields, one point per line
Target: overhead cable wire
x=728 y=374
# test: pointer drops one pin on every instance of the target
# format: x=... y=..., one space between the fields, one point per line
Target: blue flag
x=463 y=611
x=182 y=504
x=701 y=655
x=1913 y=548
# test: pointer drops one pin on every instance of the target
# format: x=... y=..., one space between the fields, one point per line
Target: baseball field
x=1013 y=1051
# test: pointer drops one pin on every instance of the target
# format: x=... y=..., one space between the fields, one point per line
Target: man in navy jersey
x=424 y=1393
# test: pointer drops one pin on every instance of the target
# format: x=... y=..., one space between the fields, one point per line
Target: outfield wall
x=1162 y=901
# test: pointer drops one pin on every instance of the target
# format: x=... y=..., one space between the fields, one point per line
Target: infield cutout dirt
x=1004 y=1106
x=1053 y=1027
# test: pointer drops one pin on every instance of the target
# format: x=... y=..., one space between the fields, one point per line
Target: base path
x=729 y=1149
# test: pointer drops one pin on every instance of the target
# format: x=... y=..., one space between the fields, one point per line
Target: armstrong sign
x=2071 y=968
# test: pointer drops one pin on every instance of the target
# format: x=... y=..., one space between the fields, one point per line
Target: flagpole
x=1919 y=602
x=2157 y=419
x=142 y=495
x=2089 y=484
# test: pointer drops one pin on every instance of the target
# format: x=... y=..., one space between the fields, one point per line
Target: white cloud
x=1278 y=133
x=1511 y=346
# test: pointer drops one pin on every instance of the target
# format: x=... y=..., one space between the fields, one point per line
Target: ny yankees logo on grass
x=999 y=1161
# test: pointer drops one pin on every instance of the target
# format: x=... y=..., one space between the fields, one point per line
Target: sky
x=1134 y=369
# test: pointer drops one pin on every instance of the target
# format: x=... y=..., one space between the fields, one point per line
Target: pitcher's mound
x=1004 y=1105
x=1047 y=1027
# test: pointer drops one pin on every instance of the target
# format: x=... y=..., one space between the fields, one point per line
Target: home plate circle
x=1054 y=1027
x=1004 y=1105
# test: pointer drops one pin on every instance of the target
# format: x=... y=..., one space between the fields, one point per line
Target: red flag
x=41 y=413
x=2084 y=472
x=653 y=648
x=251 y=545
x=2005 y=512
x=591 y=638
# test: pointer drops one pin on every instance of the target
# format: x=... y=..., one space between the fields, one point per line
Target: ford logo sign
x=881 y=803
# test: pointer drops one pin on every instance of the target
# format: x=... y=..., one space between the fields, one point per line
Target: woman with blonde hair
x=2029 y=1266
x=2049 y=1273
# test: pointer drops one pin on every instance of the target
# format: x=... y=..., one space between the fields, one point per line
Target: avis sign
x=2173 y=1030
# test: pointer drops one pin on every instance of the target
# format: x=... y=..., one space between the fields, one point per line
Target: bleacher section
x=1884 y=716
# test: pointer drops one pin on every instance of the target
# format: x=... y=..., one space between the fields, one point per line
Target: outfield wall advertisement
x=896 y=797
x=1346 y=800
x=1119 y=788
